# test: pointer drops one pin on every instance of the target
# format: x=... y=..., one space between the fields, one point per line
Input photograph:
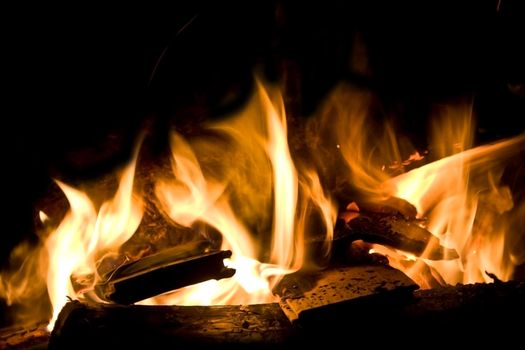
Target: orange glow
x=463 y=201
x=239 y=185
x=241 y=181
x=460 y=195
x=261 y=170
x=82 y=238
x=468 y=209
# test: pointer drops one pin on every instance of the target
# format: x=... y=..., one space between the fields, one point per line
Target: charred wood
x=169 y=327
x=383 y=224
x=491 y=310
x=162 y=272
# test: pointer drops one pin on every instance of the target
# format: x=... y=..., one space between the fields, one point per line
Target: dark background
x=84 y=80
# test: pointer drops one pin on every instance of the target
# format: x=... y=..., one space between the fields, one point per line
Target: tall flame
x=257 y=137
x=239 y=180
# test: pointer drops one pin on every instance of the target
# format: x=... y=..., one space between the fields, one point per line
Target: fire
x=460 y=195
x=258 y=138
x=468 y=208
x=238 y=180
x=82 y=238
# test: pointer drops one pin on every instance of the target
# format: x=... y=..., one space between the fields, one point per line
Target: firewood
x=393 y=230
x=391 y=222
x=168 y=270
x=390 y=205
x=425 y=315
x=302 y=292
x=34 y=336
x=168 y=327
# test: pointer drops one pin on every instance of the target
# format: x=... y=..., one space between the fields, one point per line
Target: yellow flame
x=257 y=137
x=464 y=203
x=75 y=246
x=284 y=183
x=44 y=218
x=460 y=195
x=84 y=236
x=239 y=179
x=463 y=200
x=363 y=146
x=190 y=198
x=314 y=195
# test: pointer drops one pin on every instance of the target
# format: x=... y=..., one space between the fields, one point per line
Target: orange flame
x=245 y=163
x=240 y=180
x=460 y=195
x=84 y=236
x=259 y=139
x=468 y=209
x=79 y=241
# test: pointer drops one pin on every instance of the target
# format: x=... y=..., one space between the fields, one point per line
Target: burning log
x=489 y=307
x=392 y=223
x=168 y=270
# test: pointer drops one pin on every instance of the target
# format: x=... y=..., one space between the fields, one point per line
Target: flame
x=363 y=146
x=84 y=236
x=461 y=195
x=238 y=184
x=240 y=180
x=285 y=185
x=468 y=208
x=81 y=239
x=464 y=202
x=262 y=169
x=190 y=198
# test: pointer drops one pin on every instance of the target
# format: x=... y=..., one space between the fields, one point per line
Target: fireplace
x=279 y=177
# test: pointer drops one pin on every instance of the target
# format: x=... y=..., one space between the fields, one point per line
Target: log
x=431 y=316
x=160 y=273
x=83 y=326
x=395 y=231
x=302 y=293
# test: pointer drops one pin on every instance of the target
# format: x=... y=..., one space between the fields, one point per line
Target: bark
x=491 y=310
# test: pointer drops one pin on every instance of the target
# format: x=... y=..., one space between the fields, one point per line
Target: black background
x=85 y=77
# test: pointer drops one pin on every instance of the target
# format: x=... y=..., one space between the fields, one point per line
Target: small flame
x=43 y=217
